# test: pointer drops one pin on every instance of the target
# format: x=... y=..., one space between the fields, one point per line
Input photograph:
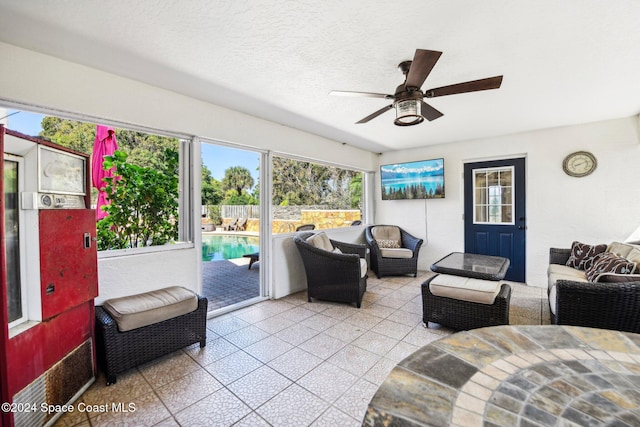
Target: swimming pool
x=217 y=247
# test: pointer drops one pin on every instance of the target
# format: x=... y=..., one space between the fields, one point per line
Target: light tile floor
x=285 y=362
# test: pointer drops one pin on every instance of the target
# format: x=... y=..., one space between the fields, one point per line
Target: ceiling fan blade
x=376 y=114
x=472 y=86
x=430 y=113
x=421 y=66
x=360 y=94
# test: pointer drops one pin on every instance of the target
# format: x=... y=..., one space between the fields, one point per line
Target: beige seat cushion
x=363 y=267
x=634 y=256
x=321 y=241
x=387 y=232
x=136 y=311
x=396 y=253
x=390 y=233
x=465 y=288
x=621 y=249
x=557 y=272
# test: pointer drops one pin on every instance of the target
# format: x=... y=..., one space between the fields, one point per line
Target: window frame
x=367 y=182
x=488 y=196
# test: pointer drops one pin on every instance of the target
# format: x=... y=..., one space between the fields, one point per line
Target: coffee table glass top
x=472 y=265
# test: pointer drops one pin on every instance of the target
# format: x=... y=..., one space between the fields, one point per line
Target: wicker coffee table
x=461 y=309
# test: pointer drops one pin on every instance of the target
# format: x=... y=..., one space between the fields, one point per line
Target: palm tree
x=237 y=178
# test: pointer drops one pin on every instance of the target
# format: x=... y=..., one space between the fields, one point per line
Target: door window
x=493 y=196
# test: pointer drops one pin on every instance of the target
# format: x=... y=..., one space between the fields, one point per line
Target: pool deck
x=228 y=282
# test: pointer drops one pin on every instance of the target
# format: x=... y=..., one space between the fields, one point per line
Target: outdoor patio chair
x=231 y=225
x=336 y=271
x=241 y=225
x=394 y=252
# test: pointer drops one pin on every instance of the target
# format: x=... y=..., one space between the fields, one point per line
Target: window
x=16 y=285
x=312 y=193
x=493 y=196
x=154 y=165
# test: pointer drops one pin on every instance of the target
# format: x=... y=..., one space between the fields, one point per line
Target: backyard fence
x=253 y=211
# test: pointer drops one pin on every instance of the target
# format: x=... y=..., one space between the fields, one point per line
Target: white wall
x=599 y=208
x=131 y=274
x=31 y=78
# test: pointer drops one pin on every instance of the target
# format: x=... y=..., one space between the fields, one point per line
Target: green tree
x=143 y=203
x=306 y=183
x=211 y=191
x=237 y=178
x=142 y=149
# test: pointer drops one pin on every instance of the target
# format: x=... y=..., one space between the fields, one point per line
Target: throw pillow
x=582 y=255
x=609 y=263
x=388 y=244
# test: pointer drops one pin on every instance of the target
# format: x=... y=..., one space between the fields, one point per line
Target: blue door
x=494 y=212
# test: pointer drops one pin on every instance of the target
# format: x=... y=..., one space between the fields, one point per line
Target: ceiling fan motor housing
x=408 y=105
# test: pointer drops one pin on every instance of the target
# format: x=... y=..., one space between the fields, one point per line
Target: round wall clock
x=579 y=164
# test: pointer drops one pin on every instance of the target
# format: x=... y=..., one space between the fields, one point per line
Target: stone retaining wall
x=323 y=219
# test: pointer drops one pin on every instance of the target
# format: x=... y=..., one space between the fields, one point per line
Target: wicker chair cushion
x=136 y=311
x=363 y=267
x=634 y=256
x=622 y=249
x=387 y=232
x=396 y=253
x=465 y=288
x=321 y=241
x=582 y=255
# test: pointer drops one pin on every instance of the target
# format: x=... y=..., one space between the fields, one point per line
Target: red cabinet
x=68 y=259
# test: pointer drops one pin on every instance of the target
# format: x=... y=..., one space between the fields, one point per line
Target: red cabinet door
x=68 y=259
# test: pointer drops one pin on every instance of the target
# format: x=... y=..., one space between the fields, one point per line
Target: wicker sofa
x=610 y=301
x=119 y=351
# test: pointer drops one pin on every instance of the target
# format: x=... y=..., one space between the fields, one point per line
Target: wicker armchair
x=333 y=276
x=393 y=266
x=603 y=305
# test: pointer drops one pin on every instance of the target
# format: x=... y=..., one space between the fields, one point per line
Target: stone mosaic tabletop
x=515 y=376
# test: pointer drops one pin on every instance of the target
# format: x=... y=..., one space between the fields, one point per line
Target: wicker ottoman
x=461 y=314
x=140 y=328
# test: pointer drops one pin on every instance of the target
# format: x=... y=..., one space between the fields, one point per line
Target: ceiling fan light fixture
x=408 y=112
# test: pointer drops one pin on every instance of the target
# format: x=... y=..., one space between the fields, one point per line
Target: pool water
x=228 y=246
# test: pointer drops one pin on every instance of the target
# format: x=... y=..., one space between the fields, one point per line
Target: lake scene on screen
x=413 y=180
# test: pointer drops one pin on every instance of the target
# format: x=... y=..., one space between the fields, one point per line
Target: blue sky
x=216 y=158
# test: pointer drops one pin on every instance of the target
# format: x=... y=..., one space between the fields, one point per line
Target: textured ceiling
x=564 y=62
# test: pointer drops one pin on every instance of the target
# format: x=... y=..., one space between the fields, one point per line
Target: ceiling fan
x=408 y=99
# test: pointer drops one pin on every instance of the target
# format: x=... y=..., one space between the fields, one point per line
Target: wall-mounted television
x=413 y=180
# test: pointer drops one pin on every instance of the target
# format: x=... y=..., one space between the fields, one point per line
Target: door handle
x=87 y=240
x=521 y=227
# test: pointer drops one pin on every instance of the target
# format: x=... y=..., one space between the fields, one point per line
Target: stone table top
x=485 y=267
x=515 y=376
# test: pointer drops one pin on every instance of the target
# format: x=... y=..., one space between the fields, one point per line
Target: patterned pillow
x=388 y=244
x=582 y=255
x=609 y=263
